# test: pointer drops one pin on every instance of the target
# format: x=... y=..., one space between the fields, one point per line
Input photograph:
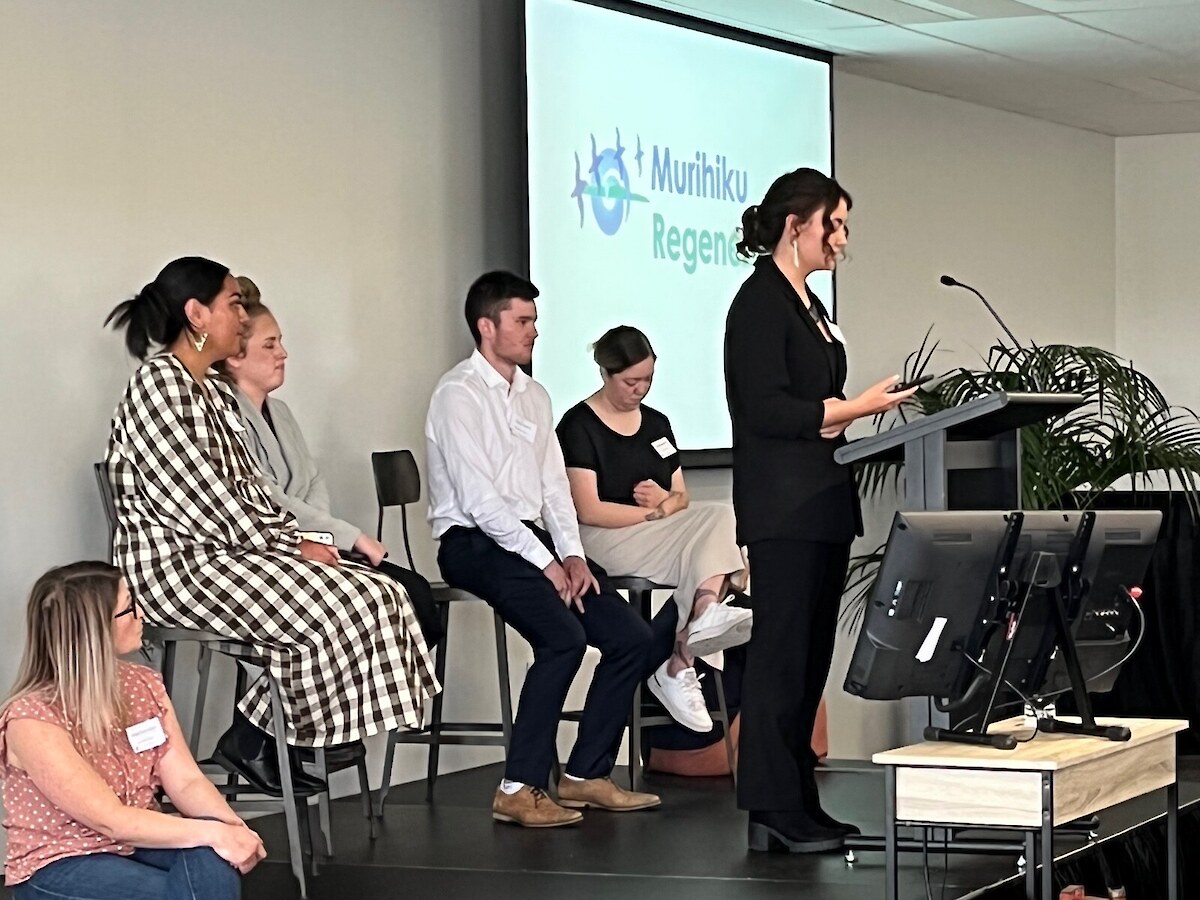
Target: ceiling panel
x=1178 y=32
x=1076 y=6
x=1044 y=39
x=894 y=12
x=1114 y=66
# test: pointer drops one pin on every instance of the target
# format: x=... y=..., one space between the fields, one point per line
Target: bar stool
x=208 y=644
x=299 y=836
x=640 y=592
x=398 y=483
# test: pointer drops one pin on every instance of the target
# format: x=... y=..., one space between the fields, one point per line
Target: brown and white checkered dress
x=202 y=545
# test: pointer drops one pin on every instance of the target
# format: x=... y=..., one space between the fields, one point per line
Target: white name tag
x=836 y=332
x=663 y=446
x=524 y=429
x=146 y=735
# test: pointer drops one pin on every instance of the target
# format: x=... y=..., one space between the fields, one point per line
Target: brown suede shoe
x=531 y=807
x=603 y=793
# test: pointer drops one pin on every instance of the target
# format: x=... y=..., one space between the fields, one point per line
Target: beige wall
x=361 y=162
x=1158 y=260
x=357 y=159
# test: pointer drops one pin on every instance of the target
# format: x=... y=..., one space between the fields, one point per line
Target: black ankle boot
x=250 y=753
x=792 y=831
x=812 y=806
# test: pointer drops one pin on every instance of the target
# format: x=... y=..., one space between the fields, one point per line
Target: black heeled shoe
x=791 y=831
x=812 y=806
x=246 y=751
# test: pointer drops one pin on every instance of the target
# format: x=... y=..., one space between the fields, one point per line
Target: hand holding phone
x=916 y=382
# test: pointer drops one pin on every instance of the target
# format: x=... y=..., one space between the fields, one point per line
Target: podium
x=964 y=457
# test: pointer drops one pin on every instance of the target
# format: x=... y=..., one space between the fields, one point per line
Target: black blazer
x=779 y=369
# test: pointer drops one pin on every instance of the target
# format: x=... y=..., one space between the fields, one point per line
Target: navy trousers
x=558 y=634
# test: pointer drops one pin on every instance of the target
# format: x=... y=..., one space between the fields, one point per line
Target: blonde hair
x=69 y=650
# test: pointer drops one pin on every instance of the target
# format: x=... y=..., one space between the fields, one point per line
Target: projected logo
x=607 y=185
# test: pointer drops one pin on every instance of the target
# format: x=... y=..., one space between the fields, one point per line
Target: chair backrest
x=106 y=499
x=397 y=483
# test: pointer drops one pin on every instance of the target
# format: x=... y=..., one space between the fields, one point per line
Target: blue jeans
x=194 y=874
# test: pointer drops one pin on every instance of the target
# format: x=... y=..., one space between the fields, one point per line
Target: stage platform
x=694 y=847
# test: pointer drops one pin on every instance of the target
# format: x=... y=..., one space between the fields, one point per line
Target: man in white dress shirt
x=500 y=505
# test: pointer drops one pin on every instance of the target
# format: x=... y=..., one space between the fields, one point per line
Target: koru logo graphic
x=606 y=183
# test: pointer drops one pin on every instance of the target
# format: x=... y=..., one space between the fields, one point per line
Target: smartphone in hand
x=916 y=382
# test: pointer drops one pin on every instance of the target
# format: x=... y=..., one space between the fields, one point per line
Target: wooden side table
x=1052 y=778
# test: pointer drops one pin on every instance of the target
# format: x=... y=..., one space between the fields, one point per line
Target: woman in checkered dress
x=203 y=545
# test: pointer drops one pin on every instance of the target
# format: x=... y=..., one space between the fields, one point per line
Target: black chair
x=209 y=643
x=398 y=483
x=640 y=592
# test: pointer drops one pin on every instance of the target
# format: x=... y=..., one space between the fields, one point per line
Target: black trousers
x=797 y=589
x=419 y=593
x=526 y=600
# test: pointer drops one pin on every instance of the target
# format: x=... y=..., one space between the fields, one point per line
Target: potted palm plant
x=1125 y=432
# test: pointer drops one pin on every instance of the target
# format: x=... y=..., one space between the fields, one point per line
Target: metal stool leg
x=203 y=667
x=168 y=667
x=505 y=684
x=364 y=788
x=435 y=722
x=290 y=812
x=323 y=803
x=635 y=739
x=386 y=784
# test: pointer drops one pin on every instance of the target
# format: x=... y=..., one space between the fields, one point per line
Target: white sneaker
x=682 y=697
x=720 y=627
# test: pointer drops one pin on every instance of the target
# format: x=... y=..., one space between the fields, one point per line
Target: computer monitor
x=945 y=603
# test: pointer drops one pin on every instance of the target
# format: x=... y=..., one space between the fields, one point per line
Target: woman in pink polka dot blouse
x=86 y=742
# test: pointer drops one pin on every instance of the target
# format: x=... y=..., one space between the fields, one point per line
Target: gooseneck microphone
x=951 y=282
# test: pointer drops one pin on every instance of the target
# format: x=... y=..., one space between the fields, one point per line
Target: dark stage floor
x=693 y=847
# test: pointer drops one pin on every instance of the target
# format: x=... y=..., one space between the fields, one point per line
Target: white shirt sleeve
x=453 y=427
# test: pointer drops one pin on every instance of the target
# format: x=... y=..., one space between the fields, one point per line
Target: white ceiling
x=1119 y=67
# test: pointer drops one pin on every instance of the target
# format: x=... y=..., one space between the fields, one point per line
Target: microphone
x=951 y=282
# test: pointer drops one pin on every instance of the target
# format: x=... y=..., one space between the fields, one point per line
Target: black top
x=619 y=461
x=779 y=369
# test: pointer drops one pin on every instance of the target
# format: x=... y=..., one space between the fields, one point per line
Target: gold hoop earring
x=200 y=341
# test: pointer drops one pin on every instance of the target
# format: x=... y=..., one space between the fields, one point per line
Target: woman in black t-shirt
x=635 y=517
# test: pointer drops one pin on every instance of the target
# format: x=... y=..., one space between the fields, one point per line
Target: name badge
x=523 y=428
x=663 y=446
x=146 y=735
x=234 y=423
x=836 y=332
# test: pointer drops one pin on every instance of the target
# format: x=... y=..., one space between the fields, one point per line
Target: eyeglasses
x=129 y=610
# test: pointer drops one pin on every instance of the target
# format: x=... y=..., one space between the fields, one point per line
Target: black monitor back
x=941 y=605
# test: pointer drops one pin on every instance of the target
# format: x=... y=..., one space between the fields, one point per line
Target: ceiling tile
x=1044 y=39
x=1154 y=89
x=1077 y=6
x=895 y=12
x=977 y=9
x=1177 y=32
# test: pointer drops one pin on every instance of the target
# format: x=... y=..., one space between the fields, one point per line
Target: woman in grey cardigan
x=291 y=471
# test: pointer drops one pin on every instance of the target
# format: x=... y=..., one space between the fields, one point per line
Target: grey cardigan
x=290 y=471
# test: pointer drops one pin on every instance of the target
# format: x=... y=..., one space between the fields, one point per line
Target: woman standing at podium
x=797 y=509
